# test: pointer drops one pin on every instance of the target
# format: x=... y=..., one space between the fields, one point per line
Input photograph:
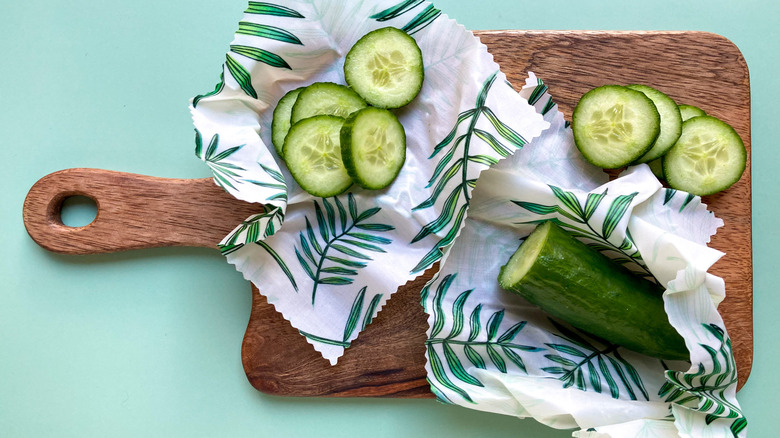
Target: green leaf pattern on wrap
x=419 y=22
x=217 y=89
x=489 y=339
x=227 y=174
x=341 y=243
x=604 y=366
x=253 y=229
x=239 y=72
x=262 y=8
x=581 y=223
x=396 y=10
x=454 y=165
x=266 y=31
x=241 y=75
x=356 y=313
x=706 y=390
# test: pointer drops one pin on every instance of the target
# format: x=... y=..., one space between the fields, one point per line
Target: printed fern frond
x=354 y=314
x=280 y=262
x=217 y=89
x=263 y=8
x=441 y=375
x=491 y=343
x=579 y=358
x=509 y=134
x=254 y=229
x=615 y=213
x=395 y=11
x=266 y=31
x=259 y=55
x=241 y=75
x=369 y=315
x=332 y=257
x=422 y=20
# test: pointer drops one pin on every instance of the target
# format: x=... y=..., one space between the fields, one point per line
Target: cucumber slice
x=313 y=155
x=671 y=122
x=690 y=111
x=574 y=282
x=385 y=67
x=325 y=98
x=709 y=157
x=614 y=125
x=281 y=120
x=373 y=147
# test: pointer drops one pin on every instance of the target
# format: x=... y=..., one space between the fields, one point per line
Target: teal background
x=147 y=343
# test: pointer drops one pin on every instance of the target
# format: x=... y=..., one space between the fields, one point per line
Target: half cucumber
x=373 y=147
x=614 y=125
x=709 y=157
x=313 y=155
x=385 y=67
x=574 y=282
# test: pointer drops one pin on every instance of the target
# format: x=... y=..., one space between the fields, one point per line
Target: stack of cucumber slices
x=615 y=126
x=332 y=135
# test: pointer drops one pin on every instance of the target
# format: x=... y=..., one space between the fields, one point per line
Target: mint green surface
x=147 y=343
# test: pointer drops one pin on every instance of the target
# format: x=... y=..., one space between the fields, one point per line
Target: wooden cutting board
x=136 y=211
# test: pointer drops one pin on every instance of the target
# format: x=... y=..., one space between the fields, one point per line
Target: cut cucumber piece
x=373 y=147
x=614 y=125
x=385 y=67
x=325 y=98
x=281 y=121
x=709 y=157
x=313 y=155
x=574 y=282
x=671 y=122
x=690 y=111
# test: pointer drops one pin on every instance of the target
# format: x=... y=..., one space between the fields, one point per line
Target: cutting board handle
x=133 y=212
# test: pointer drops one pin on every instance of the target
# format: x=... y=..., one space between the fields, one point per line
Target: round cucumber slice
x=709 y=157
x=281 y=119
x=690 y=111
x=614 y=125
x=385 y=67
x=313 y=155
x=373 y=147
x=671 y=122
x=325 y=98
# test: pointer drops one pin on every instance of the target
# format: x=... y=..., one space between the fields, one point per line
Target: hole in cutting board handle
x=77 y=211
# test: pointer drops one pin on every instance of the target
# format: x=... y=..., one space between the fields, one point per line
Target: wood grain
x=133 y=212
x=387 y=360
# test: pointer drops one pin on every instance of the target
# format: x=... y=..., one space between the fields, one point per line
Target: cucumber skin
x=666 y=124
x=347 y=156
x=690 y=111
x=276 y=137
x=581 y=286
x=299 y=110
